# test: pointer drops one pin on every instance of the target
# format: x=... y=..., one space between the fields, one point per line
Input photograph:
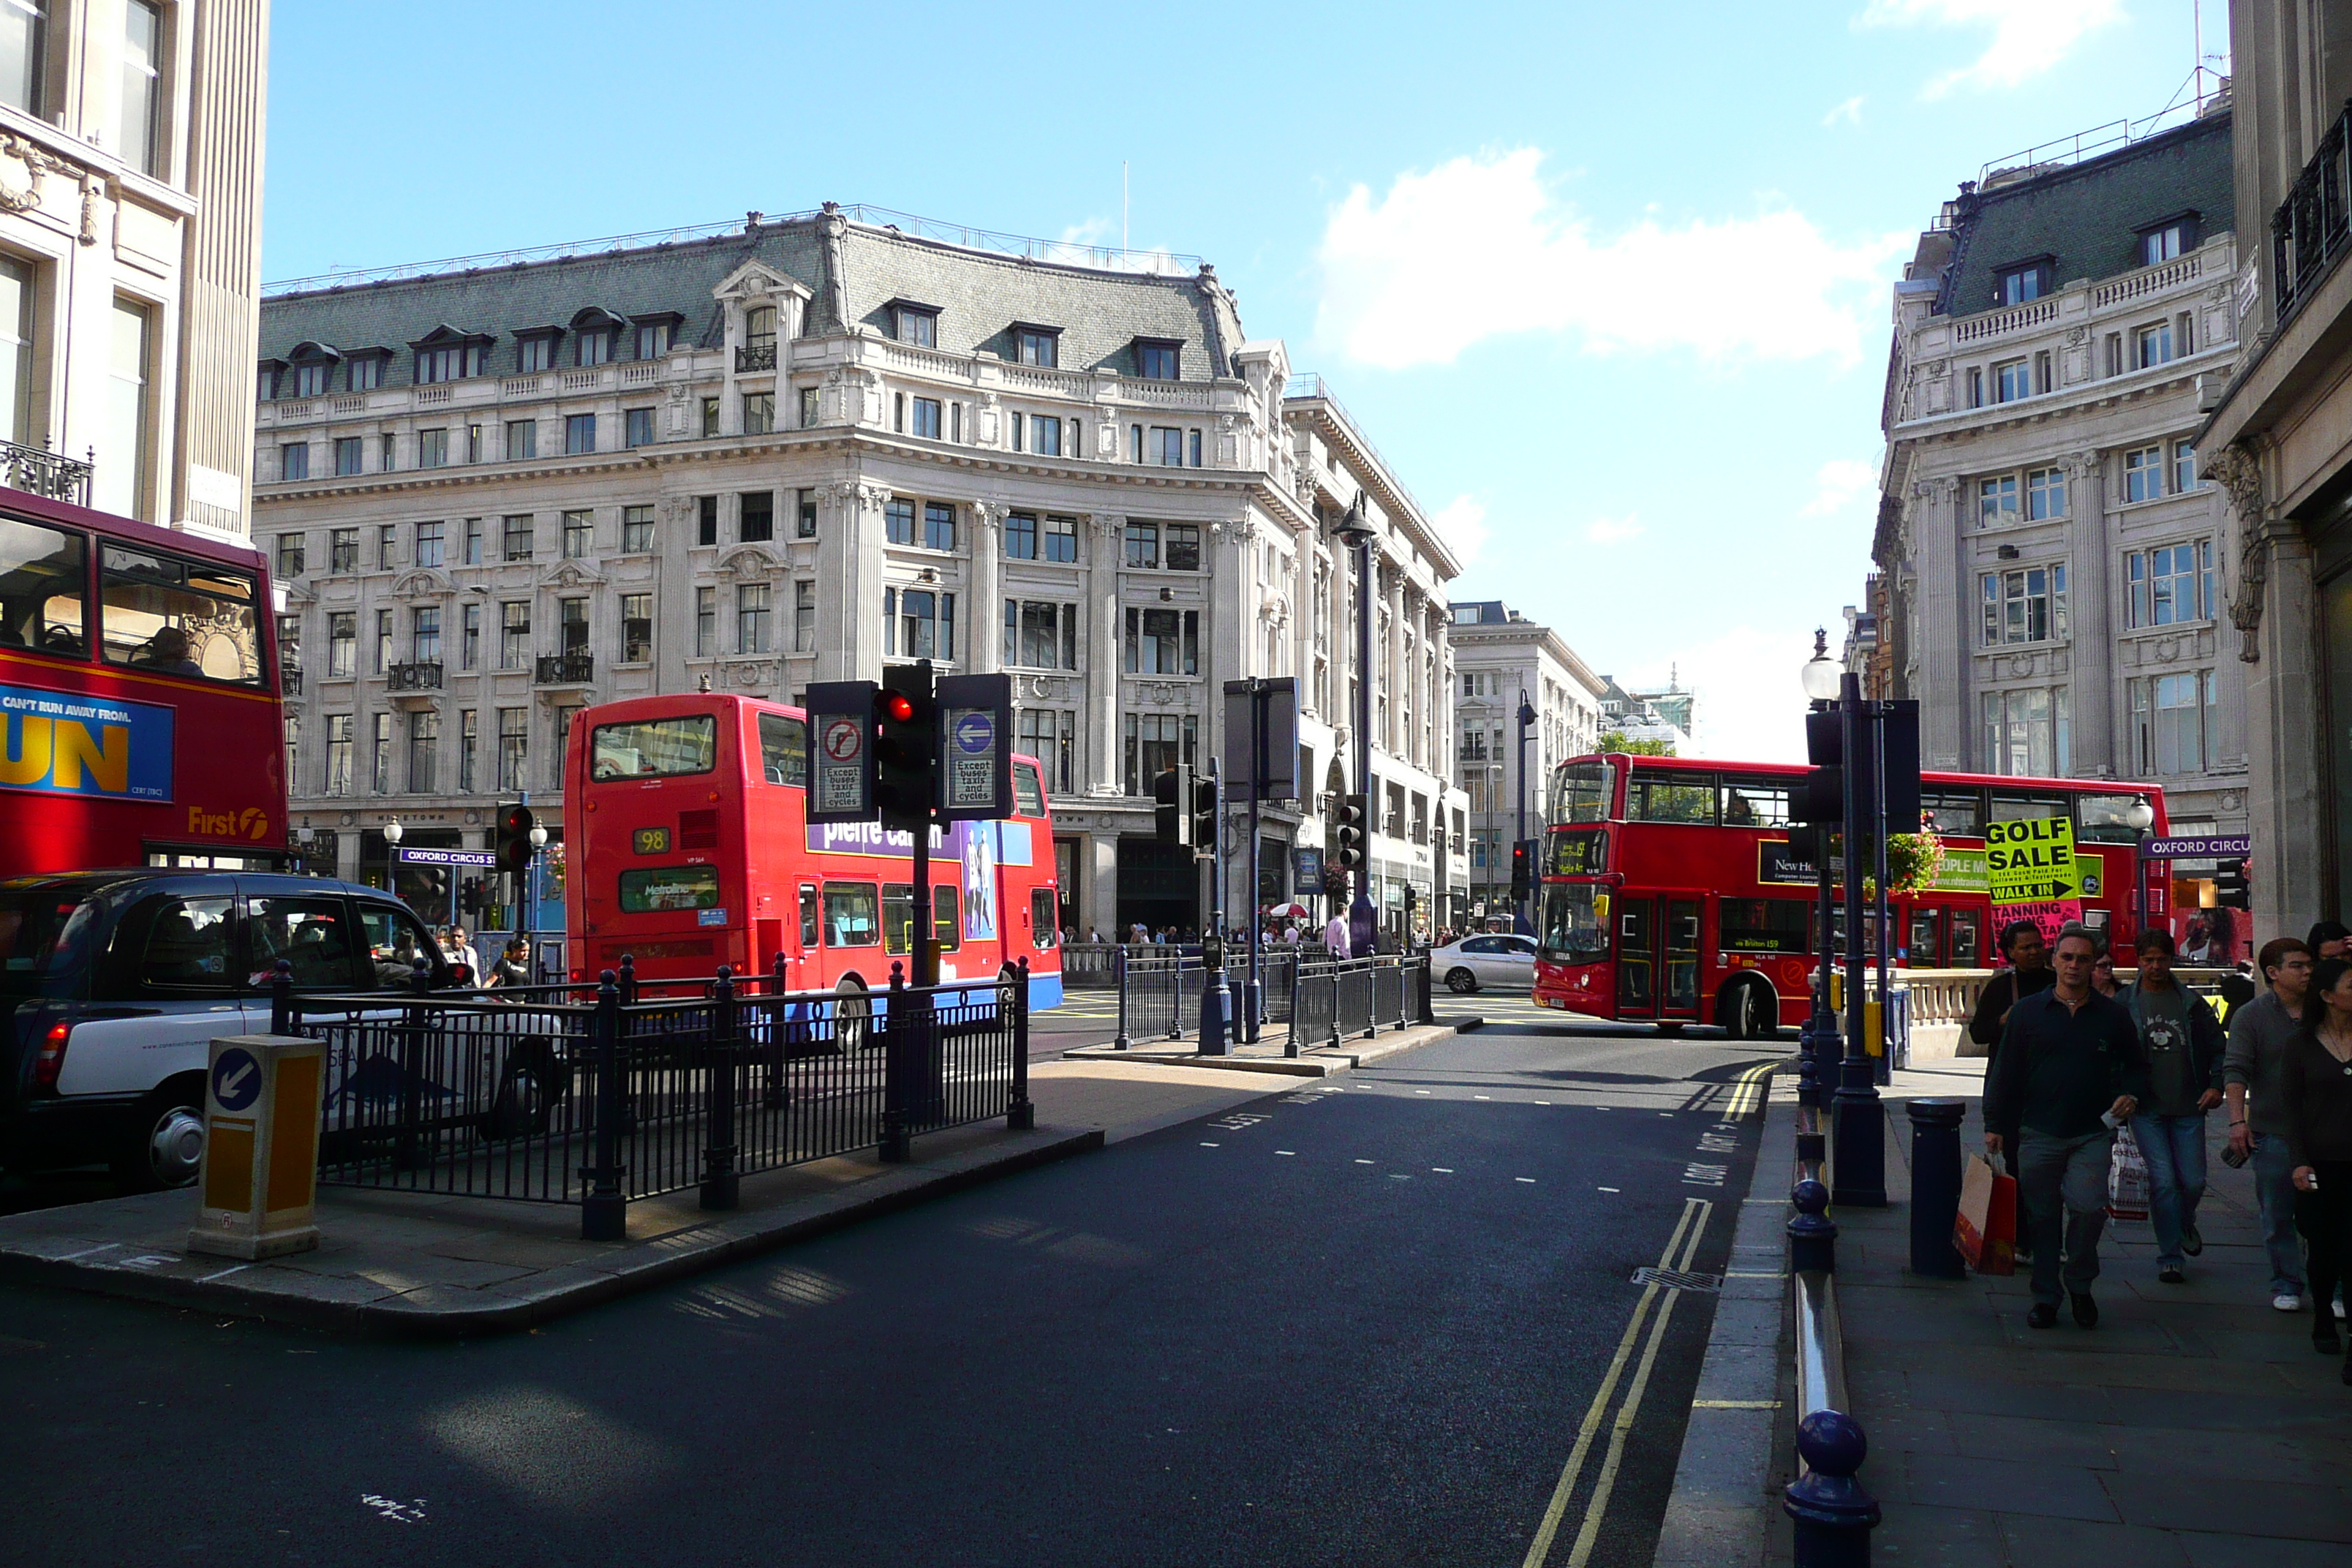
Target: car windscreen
x=38 y=930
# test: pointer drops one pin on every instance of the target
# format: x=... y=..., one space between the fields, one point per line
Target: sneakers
x=2087 y=1311
x=2191 y=1242
x=2286 y=1302
x=2170 y=1274
x=2042 y=1315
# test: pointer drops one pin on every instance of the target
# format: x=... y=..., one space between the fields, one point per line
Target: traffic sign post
x=841 y=754
x=259 y=1182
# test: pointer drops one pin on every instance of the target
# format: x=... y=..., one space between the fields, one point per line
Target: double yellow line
x=1685 y=1237
x=1749 y=1089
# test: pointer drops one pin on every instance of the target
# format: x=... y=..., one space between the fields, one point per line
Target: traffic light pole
x=1252 y=992
x=523 y=891
x=1858 y=1171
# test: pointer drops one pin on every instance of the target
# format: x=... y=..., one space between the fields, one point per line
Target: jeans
x=2173 y=1148
x=2274 y=1191
x=2063 y=1182
x=2324 y=1214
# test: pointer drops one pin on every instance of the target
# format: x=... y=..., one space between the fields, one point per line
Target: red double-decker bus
x=685 y=820
x=140 y=721
x=1671 y=896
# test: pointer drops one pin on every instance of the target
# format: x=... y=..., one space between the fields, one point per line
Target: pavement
x=424 y=1263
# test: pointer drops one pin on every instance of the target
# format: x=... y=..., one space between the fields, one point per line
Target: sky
x=1607 y=285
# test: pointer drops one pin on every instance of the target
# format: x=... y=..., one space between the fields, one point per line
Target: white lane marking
x=1528 y=1180
x=1421 y=1092
x=90 y=1251
x=1613 y=1189
x=1543 y=1102
x=1290 y=1151
x=409 y=1512
x=1482 y=1097
x=232 y=1269
x=1211 y=1145
x=1363 y=1162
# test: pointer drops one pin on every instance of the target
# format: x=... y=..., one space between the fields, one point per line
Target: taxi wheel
x=1461 y=982
x=165 y=1147
x=853 y=1019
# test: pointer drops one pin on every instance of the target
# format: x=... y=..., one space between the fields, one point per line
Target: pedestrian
x=2102 y=976
x=2028 y=972
x=2069 y=1070
x=463 y=952
x=1335 y=935
x=2316 y=1089
x=2184 y=1046
x=510 y=968
x=2327 y=940
x=2260 y=1033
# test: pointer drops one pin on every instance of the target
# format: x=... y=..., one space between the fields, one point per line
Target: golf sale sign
x=2032 y=874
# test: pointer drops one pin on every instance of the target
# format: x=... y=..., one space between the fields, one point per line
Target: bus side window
x=1028 y=794
x=851 y=914
x=809 y=924
x=947 y=927
x=1967 y=938
x=1040 y=918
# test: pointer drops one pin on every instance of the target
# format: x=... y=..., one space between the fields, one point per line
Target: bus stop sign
x=841 y=760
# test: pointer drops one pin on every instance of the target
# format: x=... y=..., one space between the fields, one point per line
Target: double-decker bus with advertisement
x=140 y=720
x=1671 y=894
x=686 y=824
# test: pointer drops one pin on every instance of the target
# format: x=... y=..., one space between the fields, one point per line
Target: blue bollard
x=1936 y=1187
x=1833 y=1514
x=1813 y=1235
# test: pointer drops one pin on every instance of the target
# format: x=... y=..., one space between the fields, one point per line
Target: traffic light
x=1352 y=821
x=2230 y=889
x=1171 y=792
x=1523 y=868
x=515 y=823
x=905 y=744
x=470 y=896
x=1204 y=814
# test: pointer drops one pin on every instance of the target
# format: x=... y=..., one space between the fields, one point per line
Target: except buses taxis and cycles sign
x=969 y=779
x=841 y=718
x=63 y=742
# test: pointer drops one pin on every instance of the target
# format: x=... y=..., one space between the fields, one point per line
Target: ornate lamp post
x=1355 y=529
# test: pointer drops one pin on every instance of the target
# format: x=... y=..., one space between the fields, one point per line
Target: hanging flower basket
x=1912 y=861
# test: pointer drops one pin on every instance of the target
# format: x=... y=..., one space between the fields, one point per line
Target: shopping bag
x=2127 y=1178
x=1986 y=1230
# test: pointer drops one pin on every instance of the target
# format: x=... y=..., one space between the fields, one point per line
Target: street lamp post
x=1527 y=716
x=530 y=899
x=2139 y=816
x=1818 y=1041
x=1355 y=529
x=1494 y=777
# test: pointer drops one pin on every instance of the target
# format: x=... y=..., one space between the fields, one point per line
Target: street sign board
x=448 y=857
x=841 y=754
x=1277 y=700
x=975 y=747
x=2206 y=848
x=1307 y=871
x=2032 y=860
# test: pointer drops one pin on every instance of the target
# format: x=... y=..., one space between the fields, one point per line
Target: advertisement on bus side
x=977 y=847
x=64 y=743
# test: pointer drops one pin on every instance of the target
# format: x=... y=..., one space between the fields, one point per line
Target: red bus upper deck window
x=1580 y=791
x=1670 y=797
x=43 y=586
x=1755 y=803
x=654 y=748
x=178 y=617
x=2099 y=819
x=783 y=750
x=1028 y=794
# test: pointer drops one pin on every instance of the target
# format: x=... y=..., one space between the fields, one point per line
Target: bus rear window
x=660 y=888
x=783 y=750
x=1580 y=791
x=654 y=748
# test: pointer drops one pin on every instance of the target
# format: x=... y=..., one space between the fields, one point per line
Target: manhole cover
x=1677 y=1279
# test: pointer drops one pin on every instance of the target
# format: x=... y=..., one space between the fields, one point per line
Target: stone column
x=1946 y=643
x=849 y=563
x=2091 y=640
x=987 y=613
x=1106 y=539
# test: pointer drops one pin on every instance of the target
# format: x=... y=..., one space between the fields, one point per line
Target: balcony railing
x=289 y=683
x=38 y=471
x=755 y=356
x=2310 y=227
x=425 y=675
x=576 y=668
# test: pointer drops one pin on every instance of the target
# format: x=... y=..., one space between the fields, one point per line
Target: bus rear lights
x=52 y=1058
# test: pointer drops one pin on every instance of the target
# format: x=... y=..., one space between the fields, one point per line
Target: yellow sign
x=2032 y=861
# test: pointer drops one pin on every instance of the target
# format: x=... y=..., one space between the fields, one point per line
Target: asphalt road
x=1362 y=1323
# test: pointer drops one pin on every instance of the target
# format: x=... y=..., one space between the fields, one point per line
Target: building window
x=1041 y=636
x=1976 y=386
x=2172 y=585
x=916 y=325
x=760 y=333
x=433 y=448
x=473 y=542
x=468 y=739
x=387 y=546
x=2027 y=732
x=2012 y=381
x=519 y=532
x=2046 y=494
x=926 y=625
x=1163 y=642
x=706 y=520
x=141 y=87
x=428 y=545
x=2184 y=468
x=706 y=622
x=533 y=355
x=343 y=644
x=804 y=616
x=808 y=407
x=2028 y=605
x=1167 y=447
x=571 y=625
x=2173 y=724
x=638 y=428
x=579 y=434
x=636 y=628
x=24 y=57
x=1038 y=346
x=898 y=521
x=294 y=457
x=1192 y=448
x=1050 y=735
x=1158 y=361
x=2016 y=285
x=806 y=521
x=653 y=339
x=2143 y=473
x=1046 y=436
x=2161 y=245
x=636 y=531
x=1143 y=544
x=709 y=417
x=455 y=363
x=2153 y=345
x=1061 y=538
x=425 y=633
x=311 y=379
x=1183 y=543
x=1156 y=742
x=927 y=418
x=469 y=636
x=514 y=634
x=757 y=521
x=579 y=535
x=592 y=347
x=939 y=525
x=514 y=746
x=522 y=440
x=751 y=617
x=759 y=412
x=383 y=642
x=473 y=442
x=379 y=756
x=364 y=372
x=339 y=755
x=1021 y=536
x=424 y=750
x=289 y=554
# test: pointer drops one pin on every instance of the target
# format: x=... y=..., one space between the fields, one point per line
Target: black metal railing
x=755 y=357
x=38 y=471
x=2309 y=229
x=575 y=668
x=423 y=674
x=598 y=1095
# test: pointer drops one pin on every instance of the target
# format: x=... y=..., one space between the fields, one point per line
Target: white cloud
x=1615 y=529
x=1462 y=524
x=1750 y=708
x=1480 y=247
x=1838 y=483
x=2029 y=37
x=1850 y=111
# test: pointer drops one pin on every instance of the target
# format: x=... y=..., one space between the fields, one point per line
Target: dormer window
x=365 y=372
x=1040 y=346
x=314 y=369
x=914 y=322
x=2167 y=239
x=311 y=380
x=535 y=352
x=594 y=346
x=1158 y=359
x=653 y=335
x=447 y=354
x=2021 y=280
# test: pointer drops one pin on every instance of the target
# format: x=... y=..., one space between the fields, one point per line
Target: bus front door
x=1658 y=941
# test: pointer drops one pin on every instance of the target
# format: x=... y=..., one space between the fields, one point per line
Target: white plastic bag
x=2127 y=1178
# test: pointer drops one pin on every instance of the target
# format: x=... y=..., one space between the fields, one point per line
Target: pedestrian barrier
x=1321 y=1000
x=1832 y=1512
x=601 y=1095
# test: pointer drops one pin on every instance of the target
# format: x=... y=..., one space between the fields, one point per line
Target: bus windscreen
x=1580 y=791
x=654 y=748
x=1575 y=923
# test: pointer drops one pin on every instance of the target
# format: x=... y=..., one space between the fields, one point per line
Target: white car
x=1500 y=959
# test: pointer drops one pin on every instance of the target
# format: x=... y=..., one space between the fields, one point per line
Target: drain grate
x=1678 y=1280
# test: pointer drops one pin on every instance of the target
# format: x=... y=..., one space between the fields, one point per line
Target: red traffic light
x=894 y=705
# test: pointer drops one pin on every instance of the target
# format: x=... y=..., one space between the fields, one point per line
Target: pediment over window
x=422 y=582
x=757 y=279
x=749 y=560
x=570 y=575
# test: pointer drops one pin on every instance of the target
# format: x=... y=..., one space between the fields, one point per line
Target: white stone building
x=793 y=450
x=2051 y=560
x=130 y=247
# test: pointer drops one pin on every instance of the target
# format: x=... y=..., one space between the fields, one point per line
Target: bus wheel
x=853 y=1019
x=1747 y=1011
x=1008 y=983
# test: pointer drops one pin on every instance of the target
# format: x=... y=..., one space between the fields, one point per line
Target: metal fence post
x=1290 y=1036
x=1421 y=987
x=721 y=1187
x=1813 y=1235
x=1936 y=1167
x=895 y=1074
x=1119 y=974
x=772 y=1095
x=406 y=1155
x=1022 y=1116
x=281 y=998
x=1333 y=1042
x=1833 y=1514
x=628 y=980
x=604 y=1207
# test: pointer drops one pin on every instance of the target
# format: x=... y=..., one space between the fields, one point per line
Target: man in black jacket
x=2069 y=1070
x=2028 y=972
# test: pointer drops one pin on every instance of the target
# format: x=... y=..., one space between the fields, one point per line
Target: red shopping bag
x=1986 y=1230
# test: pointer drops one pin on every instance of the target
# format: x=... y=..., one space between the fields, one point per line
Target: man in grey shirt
x=2260 y=1033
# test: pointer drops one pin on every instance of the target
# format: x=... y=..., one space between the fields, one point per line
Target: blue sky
x=1606 y=284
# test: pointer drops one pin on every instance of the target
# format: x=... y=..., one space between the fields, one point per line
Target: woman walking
x=2316 y=1084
